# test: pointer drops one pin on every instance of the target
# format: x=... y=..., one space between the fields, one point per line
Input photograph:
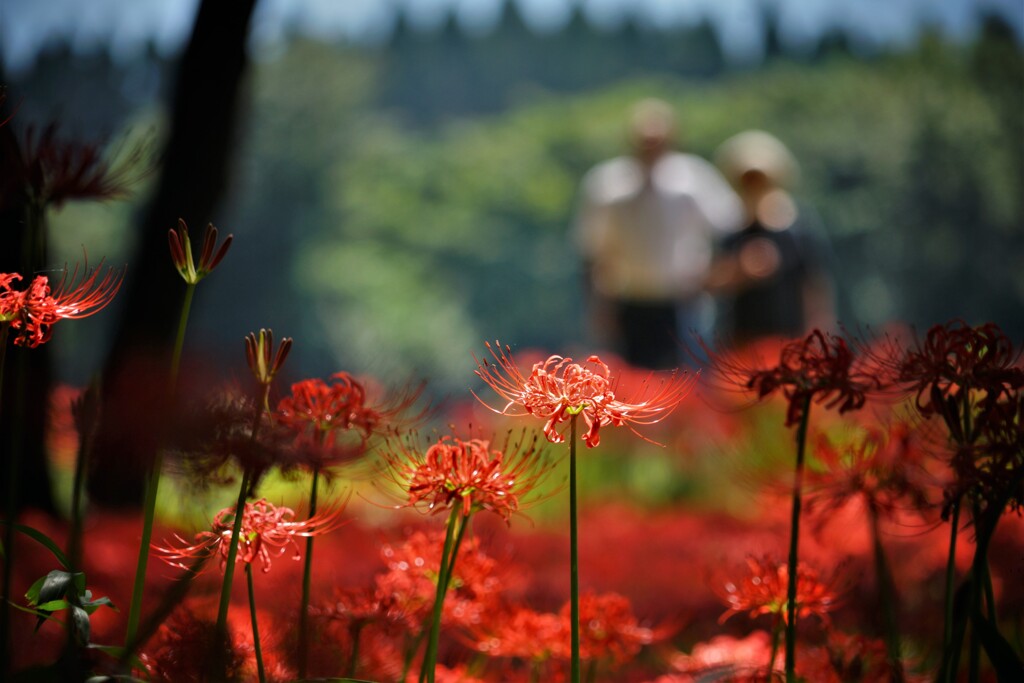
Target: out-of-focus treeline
x=396 y=205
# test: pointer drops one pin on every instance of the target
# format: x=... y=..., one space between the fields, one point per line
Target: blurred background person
x=646 y=230
x=773 y=277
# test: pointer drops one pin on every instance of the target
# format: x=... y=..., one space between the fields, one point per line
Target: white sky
x=126 y=25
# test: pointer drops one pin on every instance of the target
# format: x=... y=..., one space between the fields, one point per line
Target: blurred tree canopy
x=396 y=206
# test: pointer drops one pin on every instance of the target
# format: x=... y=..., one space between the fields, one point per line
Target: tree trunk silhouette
x=27 y=376
x=194 y=177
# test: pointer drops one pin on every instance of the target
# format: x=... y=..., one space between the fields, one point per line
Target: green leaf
x=44 y=540
x=53 y=605
x=91 y=606
x=32 y=594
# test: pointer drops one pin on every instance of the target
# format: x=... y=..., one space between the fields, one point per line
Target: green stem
x=356 y=629
x=443 y=576
x=148 y=514
x=574 y=560
x=776 y=632
x=307 y=570
x=794 y=538
x=887 y=598
x=236 y=528
x=153 y=481
x=179 y=341
x=229 y=567
x=255 y=624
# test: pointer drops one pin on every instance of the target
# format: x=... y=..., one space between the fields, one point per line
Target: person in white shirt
x=646 y=230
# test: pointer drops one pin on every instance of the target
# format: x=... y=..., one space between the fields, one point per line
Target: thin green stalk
x=443 y=576
x=776 y=632
x=574 y=560
x=153 y=481
x=947 y=632
x=306 y=582
x=229 y=567
x=179 y=341
x=236 y=527
x=148 y=514
x=355 y=630
x=794 y=538
x=887 y=598
x=255 y=624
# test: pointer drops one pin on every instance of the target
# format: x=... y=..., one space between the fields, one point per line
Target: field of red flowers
x=833 y=508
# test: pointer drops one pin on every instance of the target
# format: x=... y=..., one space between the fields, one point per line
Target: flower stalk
x=794 y=539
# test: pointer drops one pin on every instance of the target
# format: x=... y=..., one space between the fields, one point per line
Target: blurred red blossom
x=334 y=420
x=267 y=532
x=558 y=389
x=762 y=590
x=887 y=466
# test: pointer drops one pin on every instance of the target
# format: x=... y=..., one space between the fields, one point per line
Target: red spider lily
x=886 y=466
x=181 y=651
x=820 y=367
x=557 y=389
x=467 y=474
x=181 y=252
x=763 y=591
x=267 y=532
x=51 y=171
x=522 y=634
x=32 y=312
x=333 y=421
x=956 y=357
x=610 y=633
x=411 y=577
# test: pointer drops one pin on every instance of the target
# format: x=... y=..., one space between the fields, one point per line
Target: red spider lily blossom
x=33 y=311
x=267 y=532
x=411 y=578
x=49 y=171
x=819 y=367
x=181 y=651
x=522 y=634
x=763 y=591
x=181 y=252
x=611 y=633
x=956 y=357
x=885 y=466
x=558 y=389
x=466 y=474
x=333 y=421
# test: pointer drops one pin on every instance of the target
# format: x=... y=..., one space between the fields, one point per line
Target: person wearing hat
x=772 y=277
x=646 y=230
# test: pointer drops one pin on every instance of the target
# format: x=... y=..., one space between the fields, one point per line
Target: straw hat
x=756 y=150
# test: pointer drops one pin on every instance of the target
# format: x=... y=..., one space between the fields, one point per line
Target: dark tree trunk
x=193 y=180
x=24 y=404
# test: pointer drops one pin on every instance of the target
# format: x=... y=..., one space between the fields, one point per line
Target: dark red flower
x=557 y=389
x=48 y=171
x=820 y=367
x=886 y=466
